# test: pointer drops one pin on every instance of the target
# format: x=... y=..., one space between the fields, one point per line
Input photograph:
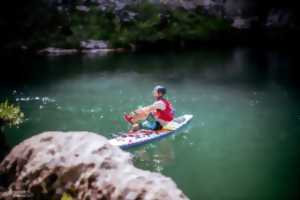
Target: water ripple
x=44 y=100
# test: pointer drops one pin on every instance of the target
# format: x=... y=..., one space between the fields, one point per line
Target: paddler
x=155 y=116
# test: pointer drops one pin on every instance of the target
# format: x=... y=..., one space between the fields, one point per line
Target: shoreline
x=51 y=51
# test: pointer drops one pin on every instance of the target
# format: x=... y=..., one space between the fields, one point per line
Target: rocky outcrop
x=81 y=164
x=93 y=44
x=279 y=18
x=57 y=51
x=242 y=13
x=58 y=23
x=87 y=47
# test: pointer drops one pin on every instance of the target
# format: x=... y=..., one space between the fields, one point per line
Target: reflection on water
x=156 y=156
x=243 y=142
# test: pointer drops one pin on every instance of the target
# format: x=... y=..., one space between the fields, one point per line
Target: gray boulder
x=83 y=8
x=57 y=51
x=279 y=18
x=81 y=164
x=94 y=44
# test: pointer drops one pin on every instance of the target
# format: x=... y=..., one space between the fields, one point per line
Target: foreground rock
x=81 y=164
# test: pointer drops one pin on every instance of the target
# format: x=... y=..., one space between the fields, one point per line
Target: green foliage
x=46 y=26
x=151 y=24
x=91 y=25
x=185 y=25
x=144 y=28
x=66 y=196
x=10 y=115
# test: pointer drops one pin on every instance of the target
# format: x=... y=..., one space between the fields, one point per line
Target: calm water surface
x=243 y=142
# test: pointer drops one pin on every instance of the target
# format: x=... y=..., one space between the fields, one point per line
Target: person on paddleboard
x=155 y=116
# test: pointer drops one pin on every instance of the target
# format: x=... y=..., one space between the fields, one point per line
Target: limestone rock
x=81 y=164
x=241 y=23
x=83 y=8
x=279 y=18
x=93 y=44
x=57 y=51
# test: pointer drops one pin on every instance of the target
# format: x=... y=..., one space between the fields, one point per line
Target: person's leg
x=158 y=126
x=148 y=125
x=134 y=127
x=136 y=116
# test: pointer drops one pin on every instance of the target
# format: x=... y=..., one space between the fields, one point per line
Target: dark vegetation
x=35 y=24
x=10 y=115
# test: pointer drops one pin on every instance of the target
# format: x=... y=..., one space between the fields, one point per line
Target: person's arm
x=142 y=113
x=151 y=108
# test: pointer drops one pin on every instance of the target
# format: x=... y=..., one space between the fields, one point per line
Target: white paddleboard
x=142 y=136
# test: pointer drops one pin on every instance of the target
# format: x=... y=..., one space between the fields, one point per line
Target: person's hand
x=135 y=127
x=132 y=113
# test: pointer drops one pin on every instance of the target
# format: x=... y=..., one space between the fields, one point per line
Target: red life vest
x=168 y=113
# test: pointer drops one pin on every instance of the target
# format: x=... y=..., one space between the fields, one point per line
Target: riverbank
x=142 y=25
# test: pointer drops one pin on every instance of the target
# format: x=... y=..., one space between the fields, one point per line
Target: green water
x=243 y=142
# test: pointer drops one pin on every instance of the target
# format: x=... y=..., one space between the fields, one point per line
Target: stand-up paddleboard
x=142 y=136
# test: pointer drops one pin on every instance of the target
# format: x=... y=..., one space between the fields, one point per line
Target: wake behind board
x=142 y=136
